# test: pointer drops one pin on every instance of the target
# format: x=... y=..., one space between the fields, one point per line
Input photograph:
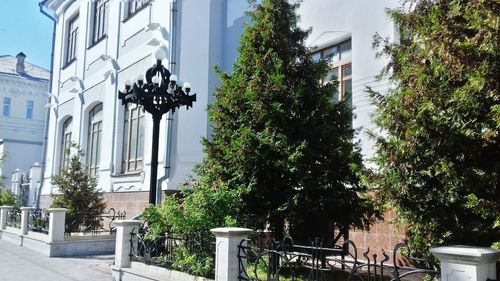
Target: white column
x=3 y=216
x=57 y=220
x=25 y=211
x=226 y=251
x=466 y=263
x=124 y=229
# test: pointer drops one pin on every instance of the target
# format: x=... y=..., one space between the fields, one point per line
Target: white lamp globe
x=160 y=54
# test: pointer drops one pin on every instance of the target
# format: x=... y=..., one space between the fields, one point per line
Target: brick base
x=131 y=202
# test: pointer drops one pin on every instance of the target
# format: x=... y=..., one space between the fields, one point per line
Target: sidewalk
x=21 y=264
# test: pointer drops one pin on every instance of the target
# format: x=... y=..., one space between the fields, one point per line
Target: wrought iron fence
x=14 y=218
x=38 y=221
x=284 y=260
x=165 y=250
x=94 y=224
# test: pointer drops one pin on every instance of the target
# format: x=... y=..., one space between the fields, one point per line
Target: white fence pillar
x=3 y=216
x=124 y=229
x=25 y=211
x=466 y=263
x=226 y=251
x=57 y=220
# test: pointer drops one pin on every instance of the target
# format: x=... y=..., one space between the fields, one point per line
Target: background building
x=23 y=94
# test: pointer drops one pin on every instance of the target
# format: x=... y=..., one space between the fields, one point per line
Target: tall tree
x=279 y=139
x=77 y=193
x=439 y=163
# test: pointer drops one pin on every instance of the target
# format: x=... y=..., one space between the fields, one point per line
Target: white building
x=23 y=94
x=100 y=44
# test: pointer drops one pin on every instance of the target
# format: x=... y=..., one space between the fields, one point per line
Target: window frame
x=66 y=142
x=133 y=164
x=94 y=139
x=72 y=39
x=30 y=106
x=339 y=63
x=7 y=102
x=100 y=21
x=137 y=7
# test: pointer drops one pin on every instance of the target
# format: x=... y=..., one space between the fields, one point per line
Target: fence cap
x=55 y=210
x=231 y=231
x=127 y=222
x=28 y=208
x=6 y=207
x=466 y=254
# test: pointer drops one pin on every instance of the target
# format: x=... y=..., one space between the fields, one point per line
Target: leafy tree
x=77 y=193
x=439 y=162
x=7 y=198
x=279 y=139
x=190 y=215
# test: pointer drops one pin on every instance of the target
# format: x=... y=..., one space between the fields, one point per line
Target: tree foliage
x=439 y=162
x=279 y=140
x=7 y=198
x=77 y=192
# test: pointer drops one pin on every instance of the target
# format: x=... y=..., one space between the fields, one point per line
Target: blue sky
x=24 y=29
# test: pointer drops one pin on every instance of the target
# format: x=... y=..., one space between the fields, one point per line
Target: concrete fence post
x=3 y=216
x=124 y=229
x=57 y=221
x=226 y=251
x=25 y=212
x=467 y=263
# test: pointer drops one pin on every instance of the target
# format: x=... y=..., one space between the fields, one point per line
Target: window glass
x=135 y=6
x=345 y=50
x=133 y=135
x=331 y=54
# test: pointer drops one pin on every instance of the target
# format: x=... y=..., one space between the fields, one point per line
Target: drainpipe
x=47 y=113
x=170 y=118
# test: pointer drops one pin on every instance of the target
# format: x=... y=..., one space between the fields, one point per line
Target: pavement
x=21 y=264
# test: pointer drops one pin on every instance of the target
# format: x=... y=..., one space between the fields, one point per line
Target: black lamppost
x=157 y=95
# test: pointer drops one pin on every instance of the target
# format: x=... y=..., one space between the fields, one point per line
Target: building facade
x=23 y=94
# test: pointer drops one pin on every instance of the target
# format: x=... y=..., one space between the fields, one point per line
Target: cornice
x=58 y=6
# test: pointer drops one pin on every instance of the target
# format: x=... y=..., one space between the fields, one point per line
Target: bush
x=7 y=198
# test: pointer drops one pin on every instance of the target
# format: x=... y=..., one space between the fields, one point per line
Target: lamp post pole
x=157 y=95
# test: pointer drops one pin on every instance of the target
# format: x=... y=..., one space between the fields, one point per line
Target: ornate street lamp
x=157 y=95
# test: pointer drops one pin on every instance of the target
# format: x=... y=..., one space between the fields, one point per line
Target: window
x=339 y=58
x=133 y=139
x=72 y=40
x=6 y=107
x=66 y=142
x=135 y=6
x=94 y=139
x=100 y=20
x=29 y=110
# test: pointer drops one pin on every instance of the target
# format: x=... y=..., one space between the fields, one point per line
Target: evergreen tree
x=77 y=193
x=439 y=164
x=279 y=139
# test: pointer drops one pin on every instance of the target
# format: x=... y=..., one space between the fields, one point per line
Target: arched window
x=94 y=139
x=133 y=139
x=67 y=129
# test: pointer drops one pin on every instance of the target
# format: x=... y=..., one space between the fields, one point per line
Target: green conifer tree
x=439 y=162
x=279 y=139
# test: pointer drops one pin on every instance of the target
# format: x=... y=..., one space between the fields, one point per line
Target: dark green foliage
x=77 y=193
x=279 y=140
x=439 y=164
